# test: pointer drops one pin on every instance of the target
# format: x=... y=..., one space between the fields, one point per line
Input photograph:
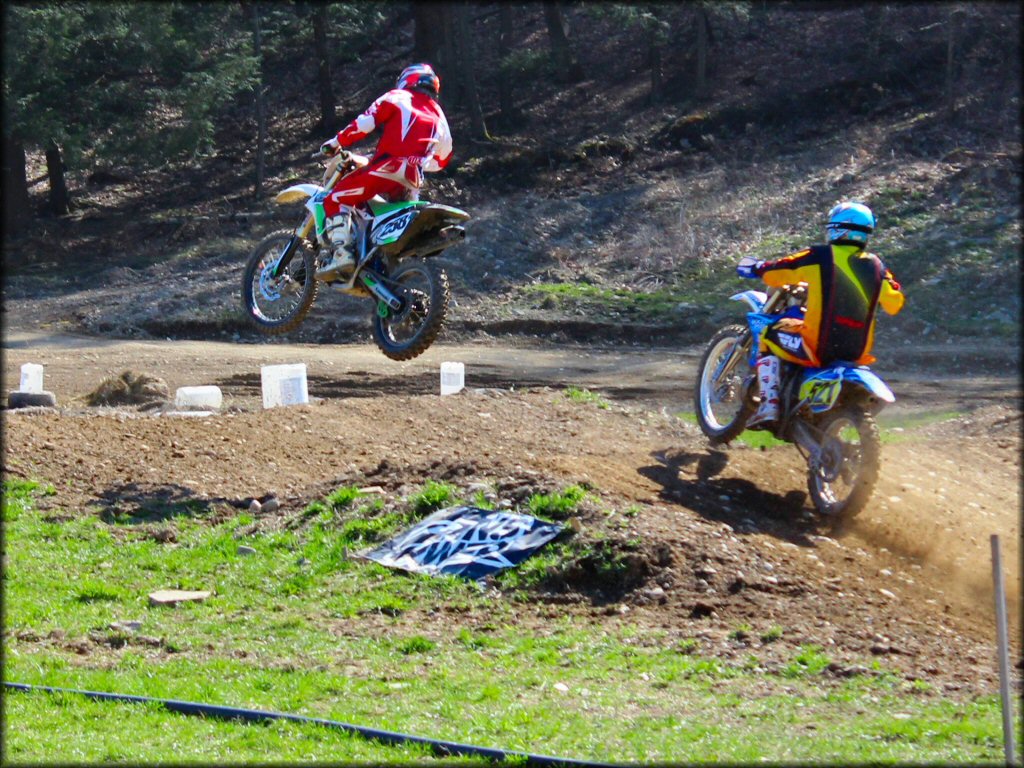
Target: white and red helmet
x=420 y=77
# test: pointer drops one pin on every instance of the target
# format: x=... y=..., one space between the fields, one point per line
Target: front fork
x=301 y=232
x=739 y=351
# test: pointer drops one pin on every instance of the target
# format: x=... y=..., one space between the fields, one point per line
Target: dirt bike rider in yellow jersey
x=845 y=284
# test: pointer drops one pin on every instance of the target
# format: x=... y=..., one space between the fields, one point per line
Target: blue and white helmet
x=852 y=222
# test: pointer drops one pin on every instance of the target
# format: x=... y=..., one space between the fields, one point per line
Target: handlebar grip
x=344 y=154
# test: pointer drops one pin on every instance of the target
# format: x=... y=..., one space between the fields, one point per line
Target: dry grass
x=130 y=388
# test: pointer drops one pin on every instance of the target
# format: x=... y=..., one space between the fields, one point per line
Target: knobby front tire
x=719 y=397
x=274 y=307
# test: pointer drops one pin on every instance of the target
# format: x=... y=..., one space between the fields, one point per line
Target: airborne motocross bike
x=393 y=242
x=827 y=413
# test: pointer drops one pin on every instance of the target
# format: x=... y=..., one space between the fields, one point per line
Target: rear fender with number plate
x=821 y=387
x=426 y=218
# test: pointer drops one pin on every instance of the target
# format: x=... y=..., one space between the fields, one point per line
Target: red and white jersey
x=414 y=136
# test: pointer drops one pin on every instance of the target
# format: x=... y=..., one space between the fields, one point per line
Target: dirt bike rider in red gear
x=414 y=138
x=845 y=285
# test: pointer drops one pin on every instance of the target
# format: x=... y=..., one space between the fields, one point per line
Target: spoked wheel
x=720 y=398
x=423 y=291
x=277 y=305
x=842 y=479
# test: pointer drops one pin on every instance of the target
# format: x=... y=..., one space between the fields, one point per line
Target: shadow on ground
x=738 y=502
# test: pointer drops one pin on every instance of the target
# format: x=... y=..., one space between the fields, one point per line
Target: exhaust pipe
x=446 y=238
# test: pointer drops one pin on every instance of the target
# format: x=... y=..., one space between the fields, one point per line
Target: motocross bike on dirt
x=393 y=246
x=827 y=413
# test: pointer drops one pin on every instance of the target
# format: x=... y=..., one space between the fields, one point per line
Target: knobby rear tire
x=305 y=270
x=438 y=295
x=869 y=466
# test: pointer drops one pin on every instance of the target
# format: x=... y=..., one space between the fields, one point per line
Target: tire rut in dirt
x=373 y=385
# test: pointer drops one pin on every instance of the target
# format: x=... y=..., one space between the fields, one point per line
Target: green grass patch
x=586 y=396
x=760 y=439
x=534 y=571
x=91 y=591
x=809 y=661
x=742 y=632
x=772 y=634
x=888 y=420
x=433 y=497
x=632 y=304
x=416 y=644
x=558 y=505
x=753 y=438
x=898 y=428
x=341 y=498
x=893 y=428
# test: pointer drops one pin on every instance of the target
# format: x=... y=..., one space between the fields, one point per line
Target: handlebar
x=782 y=297
x=343 y=154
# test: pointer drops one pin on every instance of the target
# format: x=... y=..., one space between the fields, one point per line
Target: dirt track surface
x=720 y=539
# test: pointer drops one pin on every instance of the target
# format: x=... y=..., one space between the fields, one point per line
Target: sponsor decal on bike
x=465 y=541
x=392 y=229
x=792 y=343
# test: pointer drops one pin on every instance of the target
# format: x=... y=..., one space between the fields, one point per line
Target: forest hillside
x=617 y=159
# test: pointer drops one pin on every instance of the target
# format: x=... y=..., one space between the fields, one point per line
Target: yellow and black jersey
x=845 y=284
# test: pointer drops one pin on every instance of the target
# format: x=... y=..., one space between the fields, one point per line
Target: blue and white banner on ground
x=465 y=541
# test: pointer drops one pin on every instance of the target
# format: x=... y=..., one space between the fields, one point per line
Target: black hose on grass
x=441 y=748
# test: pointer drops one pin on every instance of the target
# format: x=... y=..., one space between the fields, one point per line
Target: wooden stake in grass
x=1003 y=651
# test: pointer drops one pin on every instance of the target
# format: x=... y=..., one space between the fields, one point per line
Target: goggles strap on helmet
x=850 y=225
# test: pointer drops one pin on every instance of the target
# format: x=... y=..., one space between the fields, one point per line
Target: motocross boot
x=339 y=232
x=768 y=388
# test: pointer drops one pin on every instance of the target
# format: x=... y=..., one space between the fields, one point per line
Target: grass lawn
x=301 y=627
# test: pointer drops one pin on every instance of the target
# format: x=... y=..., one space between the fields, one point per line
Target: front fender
x=296 y=193
x=755 y=299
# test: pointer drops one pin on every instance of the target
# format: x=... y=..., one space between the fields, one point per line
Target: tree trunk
x=654 y=59
x=955 y=15
x=467 y=67
x=17 y=209
x=60 y=200
x=261 y=118
x=702 y=51
x=328 y=120
x=427 y=30
x=444 y=18
x=506 y=104
x=568 y=70
x=874 y=14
